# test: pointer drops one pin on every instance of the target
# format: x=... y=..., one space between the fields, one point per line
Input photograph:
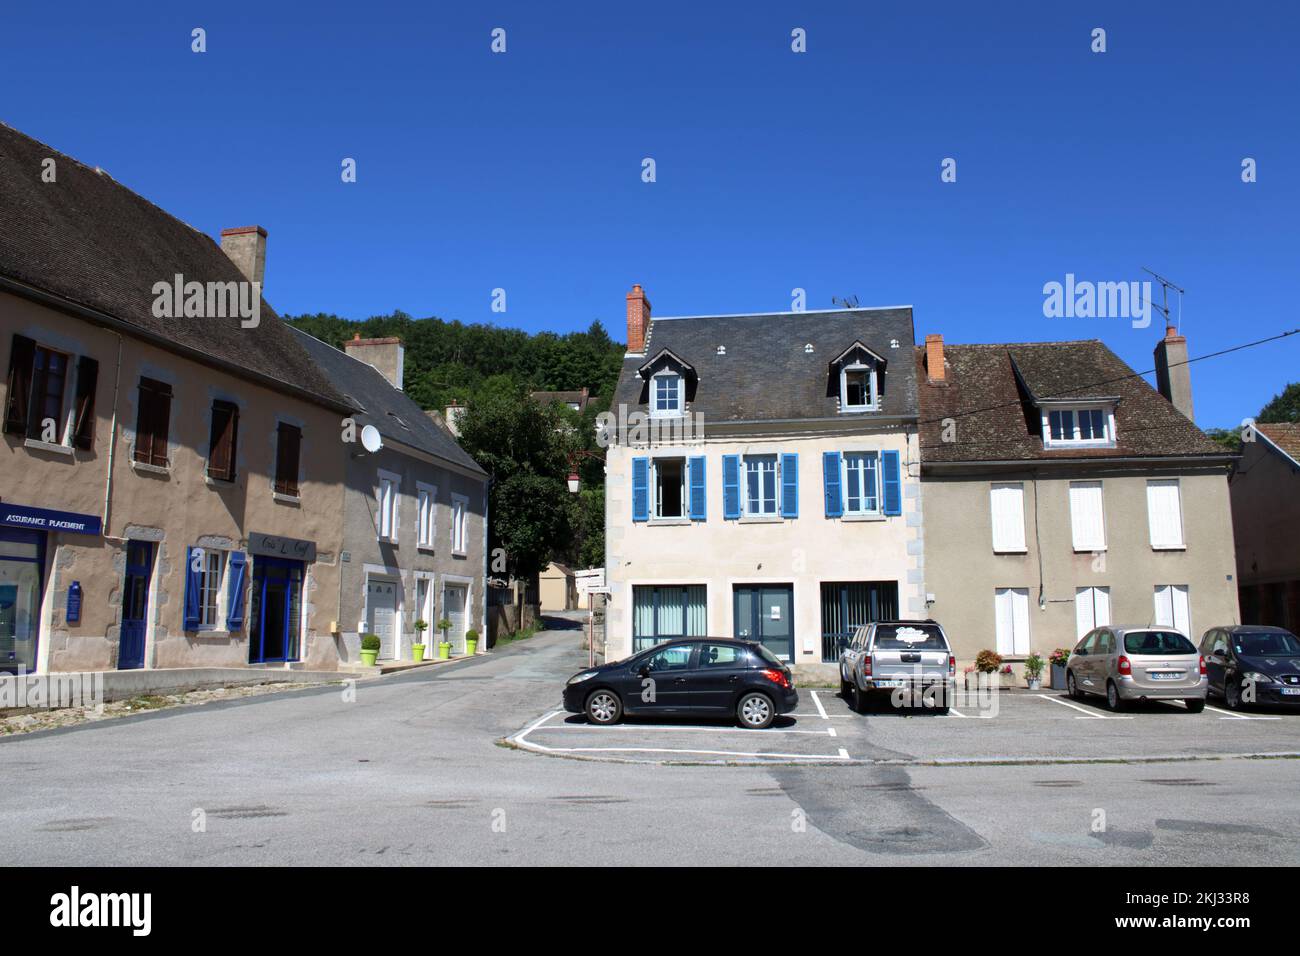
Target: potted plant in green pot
x=1058 y=659
x=444 y=646
x=417 y=649
x=370 y=645
x=1034 y=671
x=471 y=641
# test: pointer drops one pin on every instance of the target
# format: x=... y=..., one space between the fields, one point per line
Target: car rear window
x=1267 y=644
x=1157 y=642
x=767 y=656
x=910 y=637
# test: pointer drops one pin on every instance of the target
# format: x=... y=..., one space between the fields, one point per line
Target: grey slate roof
x=89 y=240
x=389 y=409
x=766 y=375
x=996 y=420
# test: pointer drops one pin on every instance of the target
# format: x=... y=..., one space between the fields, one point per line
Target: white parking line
x=954 y=712
x=1086 y=713
x=1229 y=715
x=820 y=709
x=844 y=753
x=831 y=731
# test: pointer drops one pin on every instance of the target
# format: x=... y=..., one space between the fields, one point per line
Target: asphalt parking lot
x=1009 y=727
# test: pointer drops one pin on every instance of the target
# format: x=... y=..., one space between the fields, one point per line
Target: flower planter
x=471 y=645
x=417 y=652
x=444 y=651
x=368 y=657
x=983 y=681
x=1058 y=677
x=1035 y=683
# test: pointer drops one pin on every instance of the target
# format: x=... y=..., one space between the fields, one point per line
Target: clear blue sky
x=775 y=170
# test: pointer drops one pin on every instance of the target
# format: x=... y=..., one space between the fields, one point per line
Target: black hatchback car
x=702 y=676
x=1252 y=664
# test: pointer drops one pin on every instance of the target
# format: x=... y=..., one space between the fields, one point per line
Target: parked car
x=1249 y=663
x=1124 y=664
x=886 y=656
x=705 y=676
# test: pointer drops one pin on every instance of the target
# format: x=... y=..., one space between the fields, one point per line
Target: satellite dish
x=370 y=439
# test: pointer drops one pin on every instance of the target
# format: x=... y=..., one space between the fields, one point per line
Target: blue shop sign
x=44 y=519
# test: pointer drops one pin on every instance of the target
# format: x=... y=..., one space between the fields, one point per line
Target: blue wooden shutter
x=731 y=486
x=892 y=482
x=789 y=486
x=640 y=489
x=698 y=512
x=191 y=590
x=235 y=569
x=831 y=470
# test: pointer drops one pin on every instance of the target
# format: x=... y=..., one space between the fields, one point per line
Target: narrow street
x=414 y=771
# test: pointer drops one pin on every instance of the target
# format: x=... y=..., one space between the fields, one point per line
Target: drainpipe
x=487 y=565
x=112 y=437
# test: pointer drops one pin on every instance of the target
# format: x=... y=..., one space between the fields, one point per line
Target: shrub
x=986 y=661
x=471 y=635
x=371 y=642
x=1034 y=666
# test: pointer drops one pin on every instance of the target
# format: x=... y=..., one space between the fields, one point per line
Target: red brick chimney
x=638 y=319
x=934 y=357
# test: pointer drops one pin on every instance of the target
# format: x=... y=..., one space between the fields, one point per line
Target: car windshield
x=1157 y=642
x=910 y=637
x=1267 y=644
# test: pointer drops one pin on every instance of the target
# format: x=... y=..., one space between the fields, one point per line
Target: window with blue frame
x=861 y=483
x=667 y=612
x=760 y=485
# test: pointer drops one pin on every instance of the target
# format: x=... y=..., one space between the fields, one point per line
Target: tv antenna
x=848 y=302
x=1165 y=286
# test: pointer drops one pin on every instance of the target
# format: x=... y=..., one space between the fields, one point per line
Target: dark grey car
x=1253 y=664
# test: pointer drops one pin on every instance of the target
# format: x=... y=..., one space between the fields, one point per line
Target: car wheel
x=1195 y=704
x=857 y=699
x=1113 y=700
x=1232 y=694
x=755 y=711
x=604 y=707
x=1071 y=688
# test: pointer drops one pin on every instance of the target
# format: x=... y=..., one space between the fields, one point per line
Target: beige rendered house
x=1266 y=521
x=1062 y=492
x=762 y=480
x=171 y=479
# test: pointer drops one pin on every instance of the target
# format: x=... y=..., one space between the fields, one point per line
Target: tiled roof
x=1285 y=435
x=88 y=240
x=390 y=410
x=767 y=374
x=989 y=391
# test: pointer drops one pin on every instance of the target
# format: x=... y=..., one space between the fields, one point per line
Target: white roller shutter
x=1007 y=503
x=1087 y=516
x=1165 y=513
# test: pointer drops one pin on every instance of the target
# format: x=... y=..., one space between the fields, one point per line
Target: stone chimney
x=638 y=319
x=934 y=369
x=1173 y=376
x=246 y=247
x=387 y=355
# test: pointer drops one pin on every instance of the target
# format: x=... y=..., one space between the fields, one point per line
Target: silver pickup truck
x=886 y=657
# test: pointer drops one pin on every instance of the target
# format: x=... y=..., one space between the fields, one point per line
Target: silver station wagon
x=1137 y=663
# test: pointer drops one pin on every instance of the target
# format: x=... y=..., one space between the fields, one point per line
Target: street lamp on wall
x=574 y=482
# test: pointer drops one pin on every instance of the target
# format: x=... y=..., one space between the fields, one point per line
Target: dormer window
x=666 y=394
x=856 y=376
x=1084 y=426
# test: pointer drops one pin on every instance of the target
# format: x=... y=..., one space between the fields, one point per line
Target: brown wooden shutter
x=223 y=442
x=152 y=422
x=286 y=459
x=21 y=357
x=83 y=427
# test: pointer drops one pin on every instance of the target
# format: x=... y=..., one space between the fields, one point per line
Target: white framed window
x=1165 y=514
x=1007 y=505
x=760 y=485
x=210 y=591
x=858 y=387
x=1091 y=609
x=1086 y=425
x=666 y=394
x=387 y=496
x=861 y=483
x=668 y=488
x=1087 y=516
x=423 y=607
x=1011 y=609
x=459 y=523
x=426 y=515
x=1173 y=607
